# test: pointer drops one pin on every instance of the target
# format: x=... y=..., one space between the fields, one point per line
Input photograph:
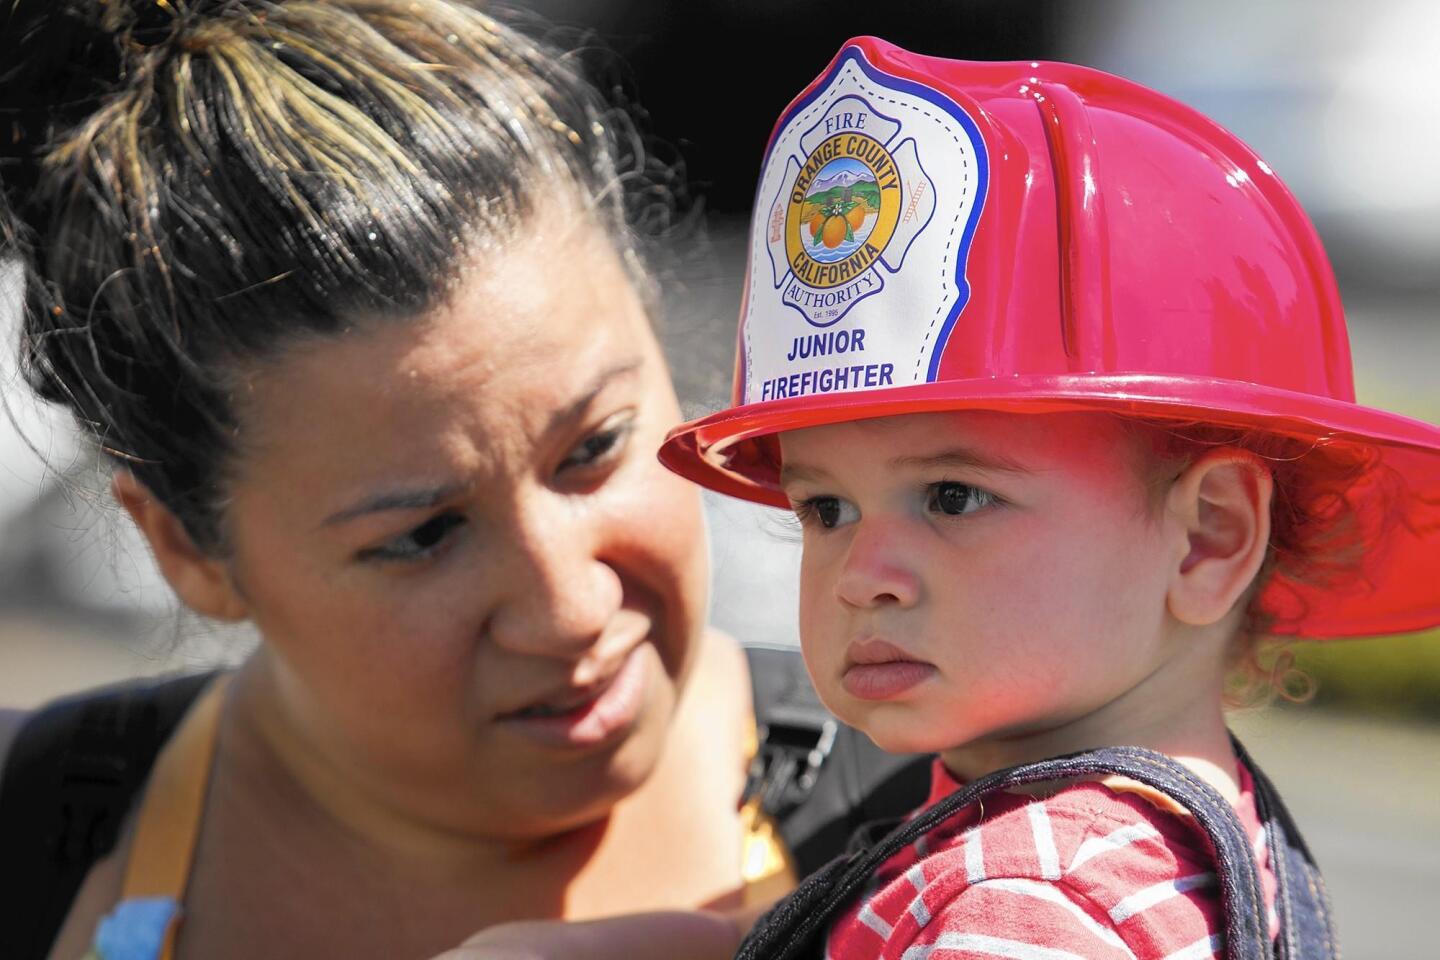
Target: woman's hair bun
x=198 y=184
x=59 y=58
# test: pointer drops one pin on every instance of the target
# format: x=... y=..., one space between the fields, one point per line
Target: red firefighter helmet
x=935 y=234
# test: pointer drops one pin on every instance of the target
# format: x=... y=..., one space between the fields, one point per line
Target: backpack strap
x=1307 y=928
x=819 y=779
x=71 y=776
x=796 y=927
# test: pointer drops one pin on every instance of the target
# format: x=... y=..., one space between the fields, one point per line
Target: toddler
x=1054 y=373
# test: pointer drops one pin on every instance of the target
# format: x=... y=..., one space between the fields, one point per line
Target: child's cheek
x=817 y=609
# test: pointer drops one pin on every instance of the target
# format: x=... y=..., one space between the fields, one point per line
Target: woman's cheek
x=654 y=538
x=408 y=642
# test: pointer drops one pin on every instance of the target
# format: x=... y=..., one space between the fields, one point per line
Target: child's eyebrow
x=961 y=458
x=955 y=458
x=791 y=472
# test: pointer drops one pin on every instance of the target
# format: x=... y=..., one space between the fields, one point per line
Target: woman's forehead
x=518 y=342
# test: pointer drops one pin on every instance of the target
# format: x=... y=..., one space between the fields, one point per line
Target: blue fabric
x=135 y=929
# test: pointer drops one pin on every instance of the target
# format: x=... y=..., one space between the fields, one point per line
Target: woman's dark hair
x=198 y=185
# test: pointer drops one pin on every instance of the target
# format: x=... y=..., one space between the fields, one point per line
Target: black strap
x=820 y=779
x=1307 y=928
x=797 y=926
x=71 y=775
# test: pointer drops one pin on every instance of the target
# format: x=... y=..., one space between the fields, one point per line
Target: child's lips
x=873 y=650
x=878 y=670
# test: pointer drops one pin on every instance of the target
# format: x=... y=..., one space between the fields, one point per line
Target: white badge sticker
x=867 y=203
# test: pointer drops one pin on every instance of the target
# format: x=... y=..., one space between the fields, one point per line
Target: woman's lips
x=879 y=670
x=591 y=721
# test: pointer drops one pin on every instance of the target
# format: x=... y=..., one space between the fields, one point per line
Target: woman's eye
x=955 y=499
x=600 y=446
x=829 y=512
x=418 y=543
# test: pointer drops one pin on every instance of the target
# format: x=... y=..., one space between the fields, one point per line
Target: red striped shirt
x=1091 y=871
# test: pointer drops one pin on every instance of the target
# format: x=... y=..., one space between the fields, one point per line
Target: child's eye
x=602 y=445
x=955 y=499
x=829 y=512
x=417 y=544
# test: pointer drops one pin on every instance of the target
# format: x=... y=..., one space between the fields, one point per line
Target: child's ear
x=1222 y=502
x=202 y=581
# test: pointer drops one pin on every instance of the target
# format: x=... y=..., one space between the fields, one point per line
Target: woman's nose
x=874 y=571
x=562 y=593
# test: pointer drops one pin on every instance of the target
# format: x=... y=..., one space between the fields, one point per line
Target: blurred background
x=1339 y=98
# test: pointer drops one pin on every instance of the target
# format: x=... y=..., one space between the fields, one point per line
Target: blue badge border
x=982 y=162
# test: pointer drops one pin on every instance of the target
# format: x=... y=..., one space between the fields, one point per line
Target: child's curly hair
x=1318 y=531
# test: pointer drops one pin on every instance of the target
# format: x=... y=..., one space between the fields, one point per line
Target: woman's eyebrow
x=419 y=498
x=576 y=408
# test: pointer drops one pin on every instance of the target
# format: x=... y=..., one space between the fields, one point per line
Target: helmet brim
x=1394 y=589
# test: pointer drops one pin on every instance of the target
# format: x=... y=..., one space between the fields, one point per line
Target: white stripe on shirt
x=996 y=947
x=917 y=908
x=873 y=920
x=1200 y=949
x=1044 y=841
x=974 y=856
x=1115 y=840
x=1044 y=891
x=1159 y=893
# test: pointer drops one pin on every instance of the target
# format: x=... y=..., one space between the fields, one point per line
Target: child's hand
x=695 y=935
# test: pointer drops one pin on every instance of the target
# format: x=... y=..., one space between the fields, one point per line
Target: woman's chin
x=586 y=790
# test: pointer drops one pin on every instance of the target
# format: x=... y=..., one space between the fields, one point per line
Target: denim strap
x=796 y=927
x=1307 y=930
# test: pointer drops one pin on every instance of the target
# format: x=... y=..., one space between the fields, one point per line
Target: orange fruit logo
x=847 y=198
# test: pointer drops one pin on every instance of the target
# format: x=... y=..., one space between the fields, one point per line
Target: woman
x=344 y=290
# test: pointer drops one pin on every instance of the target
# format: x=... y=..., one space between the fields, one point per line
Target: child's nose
x=875 y=572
